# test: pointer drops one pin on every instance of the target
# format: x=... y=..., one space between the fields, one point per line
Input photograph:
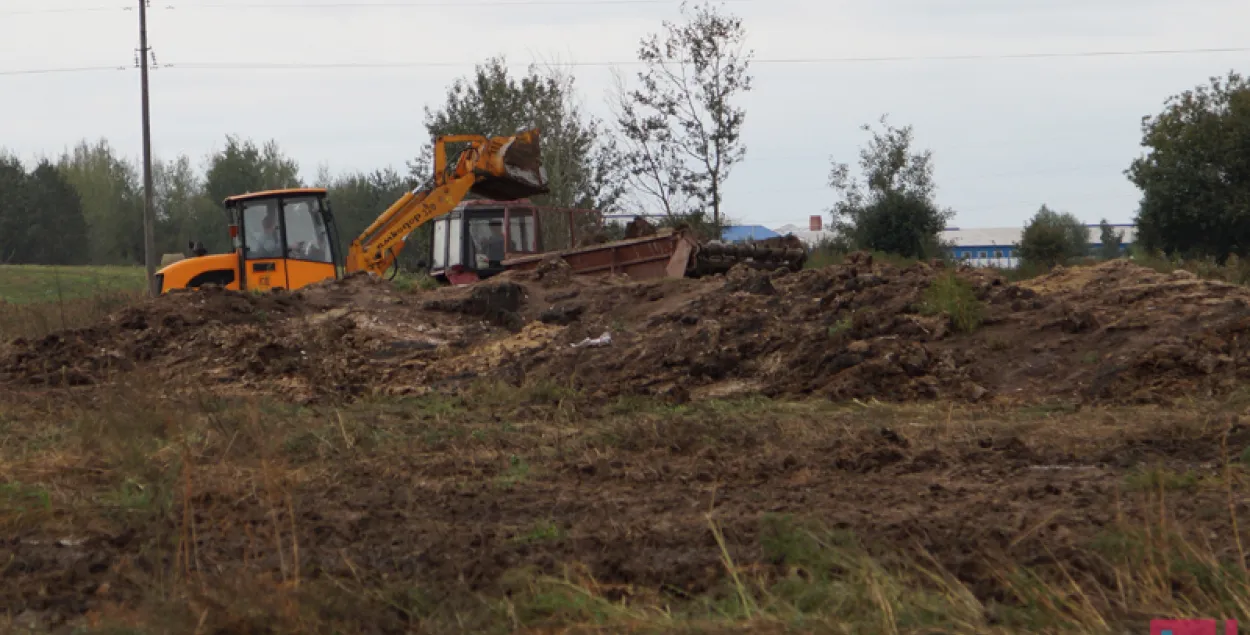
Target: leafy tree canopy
x=892 y=210
x=1111 y=240
x=1195 y=175
x=580 y=158
x=680 y=125
x=1051 y=238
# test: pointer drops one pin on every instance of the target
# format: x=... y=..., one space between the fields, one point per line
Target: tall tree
x=14 y=208
x=1051 y=238
x=580 y=158
x=111 y=194
x=1110 y=239
x=357 y=200
x=1195 y=176
x=893 y=210
x=243 y=167
x=183 y=213
x=683 y=129
x=56 y=231
x=653 y=167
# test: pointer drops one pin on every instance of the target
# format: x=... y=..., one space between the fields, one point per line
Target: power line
x=433 y=4
x=768 y=61
x=243 y=66
x=394 y=4
x=77 y=69
x=65 y=10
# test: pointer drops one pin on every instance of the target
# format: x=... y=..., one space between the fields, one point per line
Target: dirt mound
x=327 y=339
x=842 y=332
x=1114 y=332
x=1132 y=334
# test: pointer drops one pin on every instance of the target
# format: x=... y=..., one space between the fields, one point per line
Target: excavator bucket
x=511 y=168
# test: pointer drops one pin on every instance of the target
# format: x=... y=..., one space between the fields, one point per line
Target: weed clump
x=951 y=296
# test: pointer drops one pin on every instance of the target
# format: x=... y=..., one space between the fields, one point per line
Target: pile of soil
x=1114 y=332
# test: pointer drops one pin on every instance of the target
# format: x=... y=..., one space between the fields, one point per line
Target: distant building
x=734 y=234
x=812 y=234
x=743 y=233
x=983 y=247
x=996 y=247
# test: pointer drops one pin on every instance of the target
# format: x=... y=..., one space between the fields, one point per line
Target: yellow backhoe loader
x=287 y=239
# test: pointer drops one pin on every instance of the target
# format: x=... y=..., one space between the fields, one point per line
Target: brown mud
x=457 y=492
x=453 y=505
x=1113 y=333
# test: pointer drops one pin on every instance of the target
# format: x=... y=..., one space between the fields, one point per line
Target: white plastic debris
x=602 y=340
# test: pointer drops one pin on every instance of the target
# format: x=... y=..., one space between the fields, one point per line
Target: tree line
x=1194 y=179
x=669 y=146
x=674 y=134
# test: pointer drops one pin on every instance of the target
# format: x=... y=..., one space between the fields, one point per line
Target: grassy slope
x=26 y=284
x=37 y=300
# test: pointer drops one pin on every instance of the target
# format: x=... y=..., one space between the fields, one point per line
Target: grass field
x=36 y=300
x=26 y=284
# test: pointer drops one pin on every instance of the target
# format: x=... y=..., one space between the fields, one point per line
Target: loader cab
x=284 y=239
x=472 y=241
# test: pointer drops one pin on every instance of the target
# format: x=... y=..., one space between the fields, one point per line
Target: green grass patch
x=38 y=300
x=954 y=297
x=408 y=281
x=28 y=284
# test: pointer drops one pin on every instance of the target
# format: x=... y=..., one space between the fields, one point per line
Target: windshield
x=522 y=236
x=306 y=235
x=486 y=242
x=262 y=231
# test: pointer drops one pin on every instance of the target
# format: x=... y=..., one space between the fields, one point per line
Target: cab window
x=306 y=235
x=440 y=244
x=486 y=243
x=263 y=232
x=522 y=234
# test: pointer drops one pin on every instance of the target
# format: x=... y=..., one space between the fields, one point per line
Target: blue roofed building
x=743 y=233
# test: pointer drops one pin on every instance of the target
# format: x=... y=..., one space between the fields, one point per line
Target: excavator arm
x=501 y=168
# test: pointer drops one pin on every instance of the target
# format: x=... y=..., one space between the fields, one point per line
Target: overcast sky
x=1007 y=134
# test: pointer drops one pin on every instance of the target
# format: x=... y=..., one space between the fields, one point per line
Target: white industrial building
x=985 y=247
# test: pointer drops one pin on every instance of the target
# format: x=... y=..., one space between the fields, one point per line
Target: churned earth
x=837 y=450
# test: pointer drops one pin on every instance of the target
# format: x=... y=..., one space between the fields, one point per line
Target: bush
x=1051 y=238
x=955 y=298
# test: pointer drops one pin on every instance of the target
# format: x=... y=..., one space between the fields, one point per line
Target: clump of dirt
x=323 y=340
x=1110 y=333
x=496 y=301
x=844 y=332
x=554 y=272
x=744 y=278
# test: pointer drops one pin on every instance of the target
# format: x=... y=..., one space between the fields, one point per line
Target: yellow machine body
x=287 y=239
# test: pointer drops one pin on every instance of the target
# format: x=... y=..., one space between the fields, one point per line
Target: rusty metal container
x=663 y=255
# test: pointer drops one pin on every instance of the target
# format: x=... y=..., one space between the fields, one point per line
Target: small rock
x=562 y=315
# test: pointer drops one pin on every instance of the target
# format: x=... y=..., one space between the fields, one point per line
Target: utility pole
x=149 y=214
